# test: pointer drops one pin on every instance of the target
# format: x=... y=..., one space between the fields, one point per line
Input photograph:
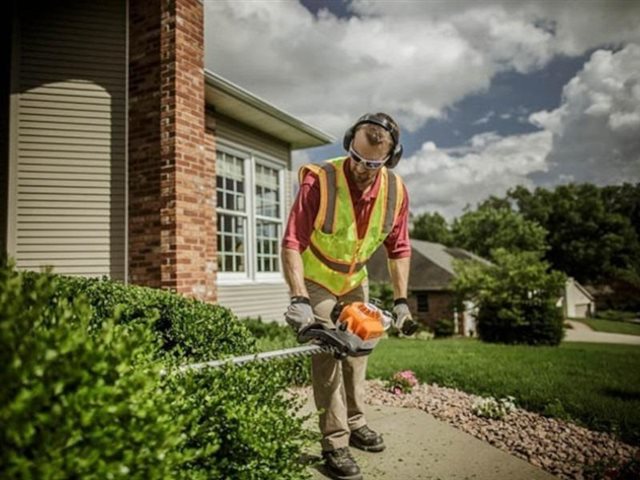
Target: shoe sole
x=367 y=448
x=336 y=476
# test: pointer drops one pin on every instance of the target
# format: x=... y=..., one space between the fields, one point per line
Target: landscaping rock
x=559 y=447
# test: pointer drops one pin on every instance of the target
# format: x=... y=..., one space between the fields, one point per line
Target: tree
x=487 y=228
x=591 y=234
x=515 y=297
x=432 y=227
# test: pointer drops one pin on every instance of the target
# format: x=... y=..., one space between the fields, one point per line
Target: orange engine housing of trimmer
x=361 y=319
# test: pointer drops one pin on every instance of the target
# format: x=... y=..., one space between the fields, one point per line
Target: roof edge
x=230 y=88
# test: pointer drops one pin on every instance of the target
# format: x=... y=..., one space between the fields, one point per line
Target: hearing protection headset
x=382 y=120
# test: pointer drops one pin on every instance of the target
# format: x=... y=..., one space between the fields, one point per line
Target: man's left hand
x=403 y=319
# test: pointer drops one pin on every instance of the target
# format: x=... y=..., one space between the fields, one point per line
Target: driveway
x=583 y=333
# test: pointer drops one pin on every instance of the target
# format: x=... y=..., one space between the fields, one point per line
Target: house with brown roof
x=431 y=297
x=122 y=156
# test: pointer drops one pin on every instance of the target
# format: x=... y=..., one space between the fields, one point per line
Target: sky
x=489 y=94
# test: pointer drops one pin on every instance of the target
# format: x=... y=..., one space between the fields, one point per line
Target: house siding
x=265 y=300
x=67 y=167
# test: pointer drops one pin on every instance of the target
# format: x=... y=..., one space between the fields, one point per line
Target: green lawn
x=595 y=385
x=611 y=326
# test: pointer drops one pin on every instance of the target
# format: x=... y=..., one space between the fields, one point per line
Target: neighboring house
x=576 y=301
x=122 y=156
x=430 y=295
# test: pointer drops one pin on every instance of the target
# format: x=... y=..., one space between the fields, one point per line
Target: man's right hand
x=299 y=314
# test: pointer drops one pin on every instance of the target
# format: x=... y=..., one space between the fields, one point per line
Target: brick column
x=171 y=170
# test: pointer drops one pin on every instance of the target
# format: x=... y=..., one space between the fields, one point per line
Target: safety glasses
x=369 y=164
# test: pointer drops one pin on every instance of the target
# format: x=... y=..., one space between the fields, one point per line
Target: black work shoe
x=366 y=439
x=340 y=465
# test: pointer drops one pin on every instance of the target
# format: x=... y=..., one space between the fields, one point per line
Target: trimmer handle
x=342 y=343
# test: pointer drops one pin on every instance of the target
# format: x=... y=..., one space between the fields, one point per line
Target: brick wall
x=440 y=306
x=171 y=160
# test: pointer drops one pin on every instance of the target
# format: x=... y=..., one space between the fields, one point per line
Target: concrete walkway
x=420 y=447
x=583 y=333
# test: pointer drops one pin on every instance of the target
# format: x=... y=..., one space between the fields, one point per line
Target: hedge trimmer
x=358 y=328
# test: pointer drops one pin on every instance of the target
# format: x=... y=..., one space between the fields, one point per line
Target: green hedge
x=276 y=336
x=531 y=322
x=444 y=328
x=83 y=396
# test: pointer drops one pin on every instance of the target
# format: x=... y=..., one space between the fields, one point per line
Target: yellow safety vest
x=336 y=257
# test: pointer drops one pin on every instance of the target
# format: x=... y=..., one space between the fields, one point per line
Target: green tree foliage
x=432 y=227
x=593 y=232
x=488 y=228
x=515 y=297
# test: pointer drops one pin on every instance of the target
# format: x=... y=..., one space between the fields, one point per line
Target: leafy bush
x=443 y=328
x=222 y=423
x=516 y=298
x=75 y=404
x=275 y=336
x=189 y=330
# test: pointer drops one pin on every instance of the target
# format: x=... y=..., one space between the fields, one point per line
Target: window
x=423 y=302
x=232 y=214
x=267 y=218
x=250 y=216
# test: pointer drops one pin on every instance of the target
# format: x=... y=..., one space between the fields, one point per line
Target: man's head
x=379 y=128
x=372 y=143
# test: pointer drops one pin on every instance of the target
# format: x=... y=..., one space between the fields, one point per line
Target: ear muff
x=396 y=151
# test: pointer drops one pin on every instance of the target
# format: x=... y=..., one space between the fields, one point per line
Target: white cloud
x=596 y=129
x=411 y=59
x=416 y=59
x=593 y=136
x=445 y=180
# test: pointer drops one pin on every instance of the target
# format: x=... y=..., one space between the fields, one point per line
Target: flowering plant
x=402 y=382
x=495 y=409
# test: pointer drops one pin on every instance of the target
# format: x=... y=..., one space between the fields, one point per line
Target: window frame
x=252 y=158
x=422 y=298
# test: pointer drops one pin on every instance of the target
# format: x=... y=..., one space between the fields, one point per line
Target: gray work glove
x=403 y=320
x=299 y=314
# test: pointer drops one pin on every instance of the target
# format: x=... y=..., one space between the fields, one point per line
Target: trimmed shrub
x=190 y=330
x=443 y=328
x=233 y=422
x=275 y=336
x=75 y=404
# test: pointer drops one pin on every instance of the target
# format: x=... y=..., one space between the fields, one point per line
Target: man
x=344 y=210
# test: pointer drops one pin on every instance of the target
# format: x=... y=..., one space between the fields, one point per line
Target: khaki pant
x=338 y=385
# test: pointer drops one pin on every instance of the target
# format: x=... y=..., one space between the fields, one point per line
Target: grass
x=611 y=326
x=595 y=385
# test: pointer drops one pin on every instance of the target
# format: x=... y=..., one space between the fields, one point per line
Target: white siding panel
x=70 y=161
x=268 y=301
x=228 y=129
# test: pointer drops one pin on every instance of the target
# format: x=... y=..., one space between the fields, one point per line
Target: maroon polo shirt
x=307 y=203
